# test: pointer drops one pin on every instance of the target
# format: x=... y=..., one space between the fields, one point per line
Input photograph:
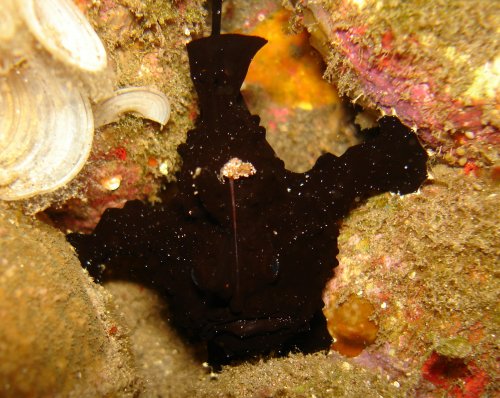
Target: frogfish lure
x=241 y=247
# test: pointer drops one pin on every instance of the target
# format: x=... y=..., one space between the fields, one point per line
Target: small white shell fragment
x=470 y=135
x=146 y=102
x=65 y=32
x=46 y=131
x=164 y=169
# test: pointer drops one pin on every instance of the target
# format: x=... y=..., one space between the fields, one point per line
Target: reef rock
x=433 y=64
x=58 y=334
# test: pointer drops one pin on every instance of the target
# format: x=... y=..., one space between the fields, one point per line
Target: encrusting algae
x=434 y=64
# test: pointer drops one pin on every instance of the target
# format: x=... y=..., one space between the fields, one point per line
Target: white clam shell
x=7 y=22
x=46 y=121
x=65 y=32
x=146 y=102
x=46 y=132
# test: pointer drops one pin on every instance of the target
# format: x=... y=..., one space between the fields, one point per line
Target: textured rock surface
x=57 y=333
x=167 y=363
x=427 y=263
x=434 y=64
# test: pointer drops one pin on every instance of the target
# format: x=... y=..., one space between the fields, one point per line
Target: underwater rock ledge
x=433 y=64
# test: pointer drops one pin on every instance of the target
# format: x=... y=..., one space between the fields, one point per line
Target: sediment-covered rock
x=58 y=335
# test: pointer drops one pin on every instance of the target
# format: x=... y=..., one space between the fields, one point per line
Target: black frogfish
x=241 y=247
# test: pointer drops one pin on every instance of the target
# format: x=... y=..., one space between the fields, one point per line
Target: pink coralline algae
x=386 y=57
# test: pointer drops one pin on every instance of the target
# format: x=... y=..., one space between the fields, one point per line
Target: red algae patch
x=459 y=379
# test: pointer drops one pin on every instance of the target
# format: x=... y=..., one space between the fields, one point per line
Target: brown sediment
x=169 y=364
x=55 y=337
